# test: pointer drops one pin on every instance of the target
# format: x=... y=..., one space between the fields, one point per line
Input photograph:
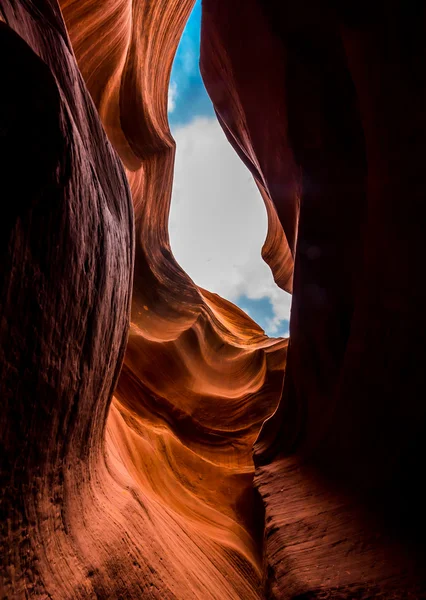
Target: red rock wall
x=343 y=85
x=67 y=255
x=165 y=508
x=150 y=493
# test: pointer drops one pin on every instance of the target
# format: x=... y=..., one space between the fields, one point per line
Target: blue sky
x=218 y=220
x=191 y=97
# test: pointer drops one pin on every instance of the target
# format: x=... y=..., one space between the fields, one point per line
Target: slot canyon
x=154 y=441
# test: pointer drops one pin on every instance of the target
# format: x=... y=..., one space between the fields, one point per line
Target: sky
x=218 y=220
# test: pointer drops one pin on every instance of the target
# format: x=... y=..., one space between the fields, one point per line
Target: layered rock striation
x=159 y=501
x=324 y=100
x=131 y=398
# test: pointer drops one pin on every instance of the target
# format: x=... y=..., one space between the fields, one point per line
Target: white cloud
x=189 y=60
x=171 y=98
x=218 y=221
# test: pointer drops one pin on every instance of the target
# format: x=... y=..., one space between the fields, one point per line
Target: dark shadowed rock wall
x=342 y=85
x=131 y=398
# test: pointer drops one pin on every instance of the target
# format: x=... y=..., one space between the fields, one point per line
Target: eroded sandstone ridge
x=335 y=123
x=149 y=494
x=153 y=498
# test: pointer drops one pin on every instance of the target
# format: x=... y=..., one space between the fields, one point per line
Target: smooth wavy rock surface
x=131 y=398
x=152 y=495
x=339 y=88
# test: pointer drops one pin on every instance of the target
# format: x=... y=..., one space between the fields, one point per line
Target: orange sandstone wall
x=163 y=506
x=325 y=100
x=149 y=494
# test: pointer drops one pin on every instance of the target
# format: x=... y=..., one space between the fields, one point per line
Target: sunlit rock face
x=325 y=103
x=149 y=494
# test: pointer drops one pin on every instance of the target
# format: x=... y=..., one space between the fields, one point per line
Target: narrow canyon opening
x=218 y=221
x=132 y=399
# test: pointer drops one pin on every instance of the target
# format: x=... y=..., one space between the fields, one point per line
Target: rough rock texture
x=342 y=85
x=150 y=494
x=152 y=498
x=199 y=377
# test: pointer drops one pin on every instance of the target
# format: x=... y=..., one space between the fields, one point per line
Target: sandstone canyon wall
x=340 y=93
x=131 y=398
x=159 y=503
